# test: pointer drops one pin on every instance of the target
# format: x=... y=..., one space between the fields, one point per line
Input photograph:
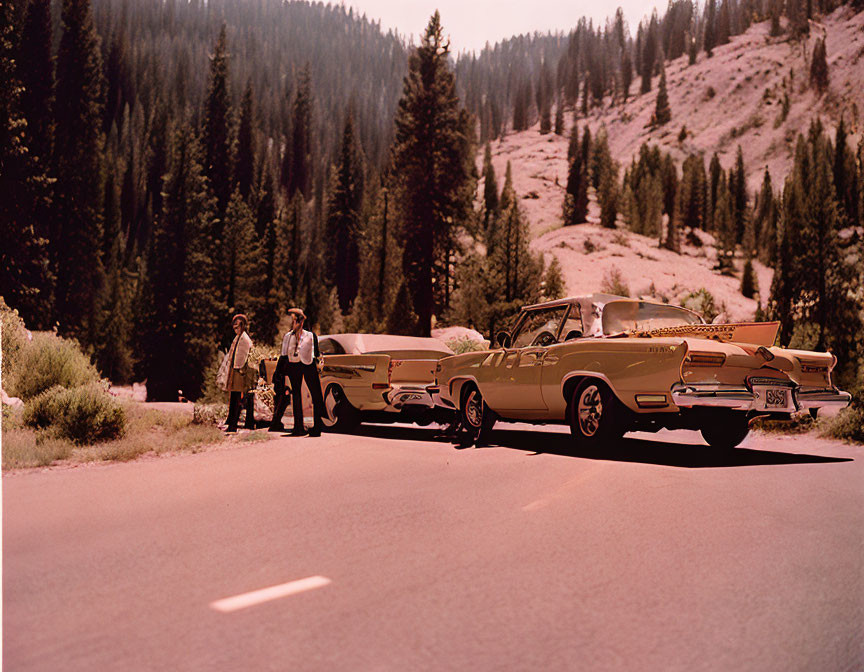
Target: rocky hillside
x=734 y=98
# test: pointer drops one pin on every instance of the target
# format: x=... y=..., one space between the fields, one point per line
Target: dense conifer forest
x=165 y=165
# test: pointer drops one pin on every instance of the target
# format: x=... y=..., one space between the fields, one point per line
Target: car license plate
x=773 y=398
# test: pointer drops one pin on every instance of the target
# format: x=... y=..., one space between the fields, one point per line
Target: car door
x=514 y=373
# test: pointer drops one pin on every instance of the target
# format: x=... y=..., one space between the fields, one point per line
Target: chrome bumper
x=414 y=395
x=744 y=399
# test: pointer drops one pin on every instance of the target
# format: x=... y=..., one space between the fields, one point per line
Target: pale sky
x=471 y=23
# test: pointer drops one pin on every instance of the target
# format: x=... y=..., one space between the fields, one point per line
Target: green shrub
x=13 y=336
x=44 y=409
x=84 y=415
x=89 y=415
x=49 y=360
x=848 y=424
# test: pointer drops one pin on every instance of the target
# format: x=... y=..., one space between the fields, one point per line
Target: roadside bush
x=848 y=424
x=209 y=414
x=85 y=414
x=14 y=337
x=90 y=414
x=43 y=410
x=49 y=360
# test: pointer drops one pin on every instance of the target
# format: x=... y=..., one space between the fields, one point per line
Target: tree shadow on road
x=638 y=450
x=628 y=449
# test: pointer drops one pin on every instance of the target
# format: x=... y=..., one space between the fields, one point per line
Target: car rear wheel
x=340 y=415
x=477 y=418
x=726 y=430
x=592 y=415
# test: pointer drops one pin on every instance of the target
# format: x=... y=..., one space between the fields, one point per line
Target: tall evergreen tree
x=690 y=203
x=343 y=220
x=710 y=37
x=662 y=113
x=244 y=171
x=576 y=195
x=724 y=227
x=240 y=258
x=25 y=277
x=76 y=238
x=738 y=190
x=765 y=221
x=35 y=66
x=432 y=155
x=216 y=136
x=819 y=67
x=490 y=189
x=179 y=306
x=300 y=172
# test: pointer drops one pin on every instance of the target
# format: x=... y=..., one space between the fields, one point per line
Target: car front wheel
x=592 y=415
x=340 y=415
x=726 y=430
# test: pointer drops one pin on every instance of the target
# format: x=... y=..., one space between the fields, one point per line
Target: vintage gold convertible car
x=376 y=378
x=607 y=365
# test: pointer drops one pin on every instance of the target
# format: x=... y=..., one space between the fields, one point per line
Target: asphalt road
x=658 y=554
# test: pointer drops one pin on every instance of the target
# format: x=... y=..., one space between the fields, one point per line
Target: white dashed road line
x=229 y=604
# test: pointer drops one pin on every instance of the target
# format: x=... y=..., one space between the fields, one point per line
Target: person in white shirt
x=299 y=361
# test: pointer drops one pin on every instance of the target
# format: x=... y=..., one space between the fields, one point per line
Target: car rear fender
x=456 y=386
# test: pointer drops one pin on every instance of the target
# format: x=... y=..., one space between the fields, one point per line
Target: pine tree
x=268 y=306
x=343 y=220
x=553 y=282
x=690 y=203
x=179 y=309
x=714 y=173
x=559 y=117
x=738 y=189
x=299 y=177
x=216 y=132
x=662 y=113
x=626 y=74
x=35 y=66
x=576 y=195
x=76 y=238
x=765 y=221
x=113 y=356
x=432 y=155
x=240 y=258
x=749 y=286
x=608 y=196
x=710 y=38
x=25 y=276
x=490 y=189
x=819 y=67
x=724 y=227
x=244 y=170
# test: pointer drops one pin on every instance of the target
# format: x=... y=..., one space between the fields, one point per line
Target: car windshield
x=621 y=316
x=539 y=327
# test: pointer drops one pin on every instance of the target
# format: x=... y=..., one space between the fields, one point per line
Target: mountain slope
x=747 y=77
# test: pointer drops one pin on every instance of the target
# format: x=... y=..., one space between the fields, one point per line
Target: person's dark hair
x=243 y=320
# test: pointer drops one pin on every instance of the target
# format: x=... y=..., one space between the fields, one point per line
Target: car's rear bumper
x=745 y=399
x=408 y=396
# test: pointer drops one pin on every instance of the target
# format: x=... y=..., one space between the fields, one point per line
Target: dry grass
x=23 y=448
x=149 y=431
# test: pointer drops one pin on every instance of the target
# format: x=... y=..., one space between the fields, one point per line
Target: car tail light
x=380 y=386
x=706 y=359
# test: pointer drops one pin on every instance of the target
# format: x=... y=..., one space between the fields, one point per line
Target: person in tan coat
x=238 y=381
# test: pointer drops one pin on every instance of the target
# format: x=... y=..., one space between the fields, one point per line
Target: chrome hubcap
x=589 y=410
x=474 y=409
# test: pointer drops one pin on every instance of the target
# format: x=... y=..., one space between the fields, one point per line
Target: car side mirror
x=503 y=339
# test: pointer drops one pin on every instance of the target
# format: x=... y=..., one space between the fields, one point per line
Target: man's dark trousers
x=297 y=372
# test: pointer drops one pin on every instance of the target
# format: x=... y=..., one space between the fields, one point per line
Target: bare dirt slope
x=733 y=98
